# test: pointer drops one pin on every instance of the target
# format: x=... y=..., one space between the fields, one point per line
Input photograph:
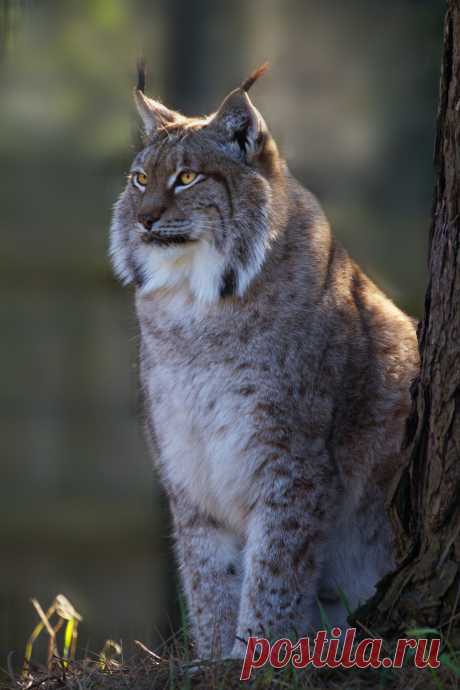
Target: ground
x=175 y=671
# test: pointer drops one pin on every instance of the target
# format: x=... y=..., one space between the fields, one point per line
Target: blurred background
x=351 y=97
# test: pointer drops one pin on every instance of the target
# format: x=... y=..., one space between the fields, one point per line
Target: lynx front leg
x=211 y=571
x=284 y=554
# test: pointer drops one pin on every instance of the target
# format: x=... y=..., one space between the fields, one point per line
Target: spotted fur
x=276 y=378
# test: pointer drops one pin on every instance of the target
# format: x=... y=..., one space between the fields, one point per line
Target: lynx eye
x=186 y=177
x=139 y=179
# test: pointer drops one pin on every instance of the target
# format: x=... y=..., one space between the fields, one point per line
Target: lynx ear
x=240 y=122
x=153 y=113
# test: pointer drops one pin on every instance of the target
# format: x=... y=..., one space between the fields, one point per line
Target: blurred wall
x=351 y=97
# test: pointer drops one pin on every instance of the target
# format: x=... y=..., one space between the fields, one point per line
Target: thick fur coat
x=276 y=377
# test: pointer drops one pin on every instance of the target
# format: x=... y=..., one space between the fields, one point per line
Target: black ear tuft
x=250 y=81
x=141 y=75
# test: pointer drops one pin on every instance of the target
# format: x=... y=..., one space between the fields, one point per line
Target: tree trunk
x=424 y=501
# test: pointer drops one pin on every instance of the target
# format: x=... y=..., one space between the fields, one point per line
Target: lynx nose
x=147 y=219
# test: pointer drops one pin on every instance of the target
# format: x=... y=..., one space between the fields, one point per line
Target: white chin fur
x=198 y=266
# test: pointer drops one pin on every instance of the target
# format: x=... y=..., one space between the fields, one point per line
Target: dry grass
x=143 y=672
x=173 y=667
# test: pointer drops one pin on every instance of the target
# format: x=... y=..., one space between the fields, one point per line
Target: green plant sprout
x=66 y=615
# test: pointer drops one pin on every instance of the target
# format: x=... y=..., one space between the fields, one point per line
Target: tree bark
x=424 y=501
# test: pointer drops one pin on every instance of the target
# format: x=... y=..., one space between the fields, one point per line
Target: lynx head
x=200 y=205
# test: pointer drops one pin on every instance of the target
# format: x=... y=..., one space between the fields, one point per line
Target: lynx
x=276 y=377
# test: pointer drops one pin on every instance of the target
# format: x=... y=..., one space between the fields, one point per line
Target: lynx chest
x=203 y=428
